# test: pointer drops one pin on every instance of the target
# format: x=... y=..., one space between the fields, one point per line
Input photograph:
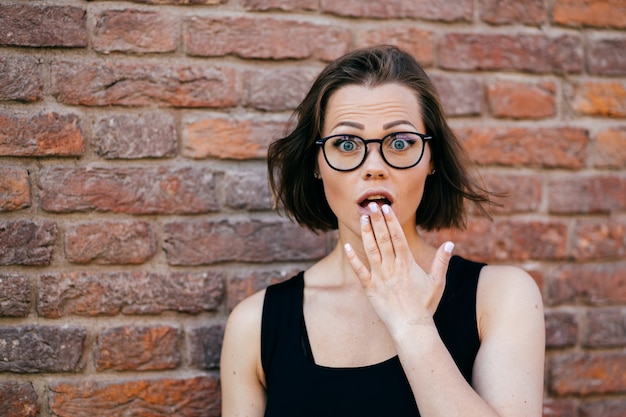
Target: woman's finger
x=397 y=238
x=381 y=232
x=358 y=267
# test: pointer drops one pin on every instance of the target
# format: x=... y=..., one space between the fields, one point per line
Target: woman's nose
x=374 y=165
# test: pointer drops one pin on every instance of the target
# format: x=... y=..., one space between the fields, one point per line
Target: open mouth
x=378 y=199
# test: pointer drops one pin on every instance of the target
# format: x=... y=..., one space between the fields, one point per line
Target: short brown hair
x=292 y=159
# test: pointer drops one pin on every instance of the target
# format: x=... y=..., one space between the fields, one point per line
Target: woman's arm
x=242 y=380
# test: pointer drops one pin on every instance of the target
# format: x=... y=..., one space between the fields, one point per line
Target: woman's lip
x=365 y=211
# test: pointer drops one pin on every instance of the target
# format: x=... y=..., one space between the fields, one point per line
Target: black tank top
x=297 y=387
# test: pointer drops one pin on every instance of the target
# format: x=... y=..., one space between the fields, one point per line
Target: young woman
x=386 y=324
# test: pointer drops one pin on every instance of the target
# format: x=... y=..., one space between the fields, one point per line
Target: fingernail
x=448 y=247
x=373 y=207
x=386 y=209
x=348 y=247
x=365 y=219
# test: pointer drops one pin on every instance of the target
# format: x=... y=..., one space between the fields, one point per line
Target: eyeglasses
x=400 y=150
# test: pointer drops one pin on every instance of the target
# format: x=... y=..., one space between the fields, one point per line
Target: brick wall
x=134 y=210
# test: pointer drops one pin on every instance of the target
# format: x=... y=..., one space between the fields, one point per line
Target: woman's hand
x=401 y=293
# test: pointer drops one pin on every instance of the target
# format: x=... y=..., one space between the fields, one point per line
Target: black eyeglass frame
x=321 y=142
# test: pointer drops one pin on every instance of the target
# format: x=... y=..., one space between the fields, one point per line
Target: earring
x=316 y=175
x=433 y=171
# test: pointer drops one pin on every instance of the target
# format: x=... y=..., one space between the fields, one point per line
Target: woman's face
x=372 y=113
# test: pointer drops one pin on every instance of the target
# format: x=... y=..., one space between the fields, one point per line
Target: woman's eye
x=346 y=144
x=399 y=144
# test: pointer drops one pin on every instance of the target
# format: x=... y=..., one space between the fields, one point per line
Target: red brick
x=461 y=10
x=586 y=374
x=460 y=95
x=229 y=138
x=507 y=240
x=132 y=348
x=206 y=346
x=548 y=147
x=594 y=284
x=135 y=31
x=43 y=26
x=248 y=189
x=605 y=407
x=286 y=5
x=599 y=239
x=277 y=89
x=104 y=83
x=134 y=190
x=605 y=56
x=190 y=397
x=250 y=240
x=264 y=38
x=418 y=42
x=14 y=188
x=500 y=12
x=136 y=292
x=606 y=327
x=178 y=2
x=243 y=284
x=519 y=100
x=561 y=329
x=532 y=53
x=14 y=296
x=558 y=407
x=610 y=148
x=18 y=399
x=31 y=349
x=43 y=134
x=110 y=243
x=26 y=242
x=599 y=98
x=20 y=78
x=595 y=13
x=134 y=136
x=523 y=191
x=595 y=193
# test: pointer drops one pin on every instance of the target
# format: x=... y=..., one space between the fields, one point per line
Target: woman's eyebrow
x=396 y=123
x=350 y=124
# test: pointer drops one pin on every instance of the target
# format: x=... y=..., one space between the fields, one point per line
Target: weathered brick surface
x=28 y=349
x=138 y=190
x=228 y=138
x=33 y=25
x=136 y=136
x=110 y=243
x=263 y=38
x=599 y=98
x=14 y=295
x=135 y=31
x=561 y=329
x=594 y=13
x=509 y=99
x=141 y=348
x=103 y=83
x=209 y=242
x=43 y=134
x=134 y=199
x=532 y=53
x=206 y=346
x=606 y=327
x=25 y=242
x=610 y=149
x=596 y=284
x=519 y=146
x=14 y=188
x=576 y=193
x=137 y=292
x=190 y=397
x=20 y=78
x=529 y=12
x=18 y=400
x=588 y=373
x=461 y=10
